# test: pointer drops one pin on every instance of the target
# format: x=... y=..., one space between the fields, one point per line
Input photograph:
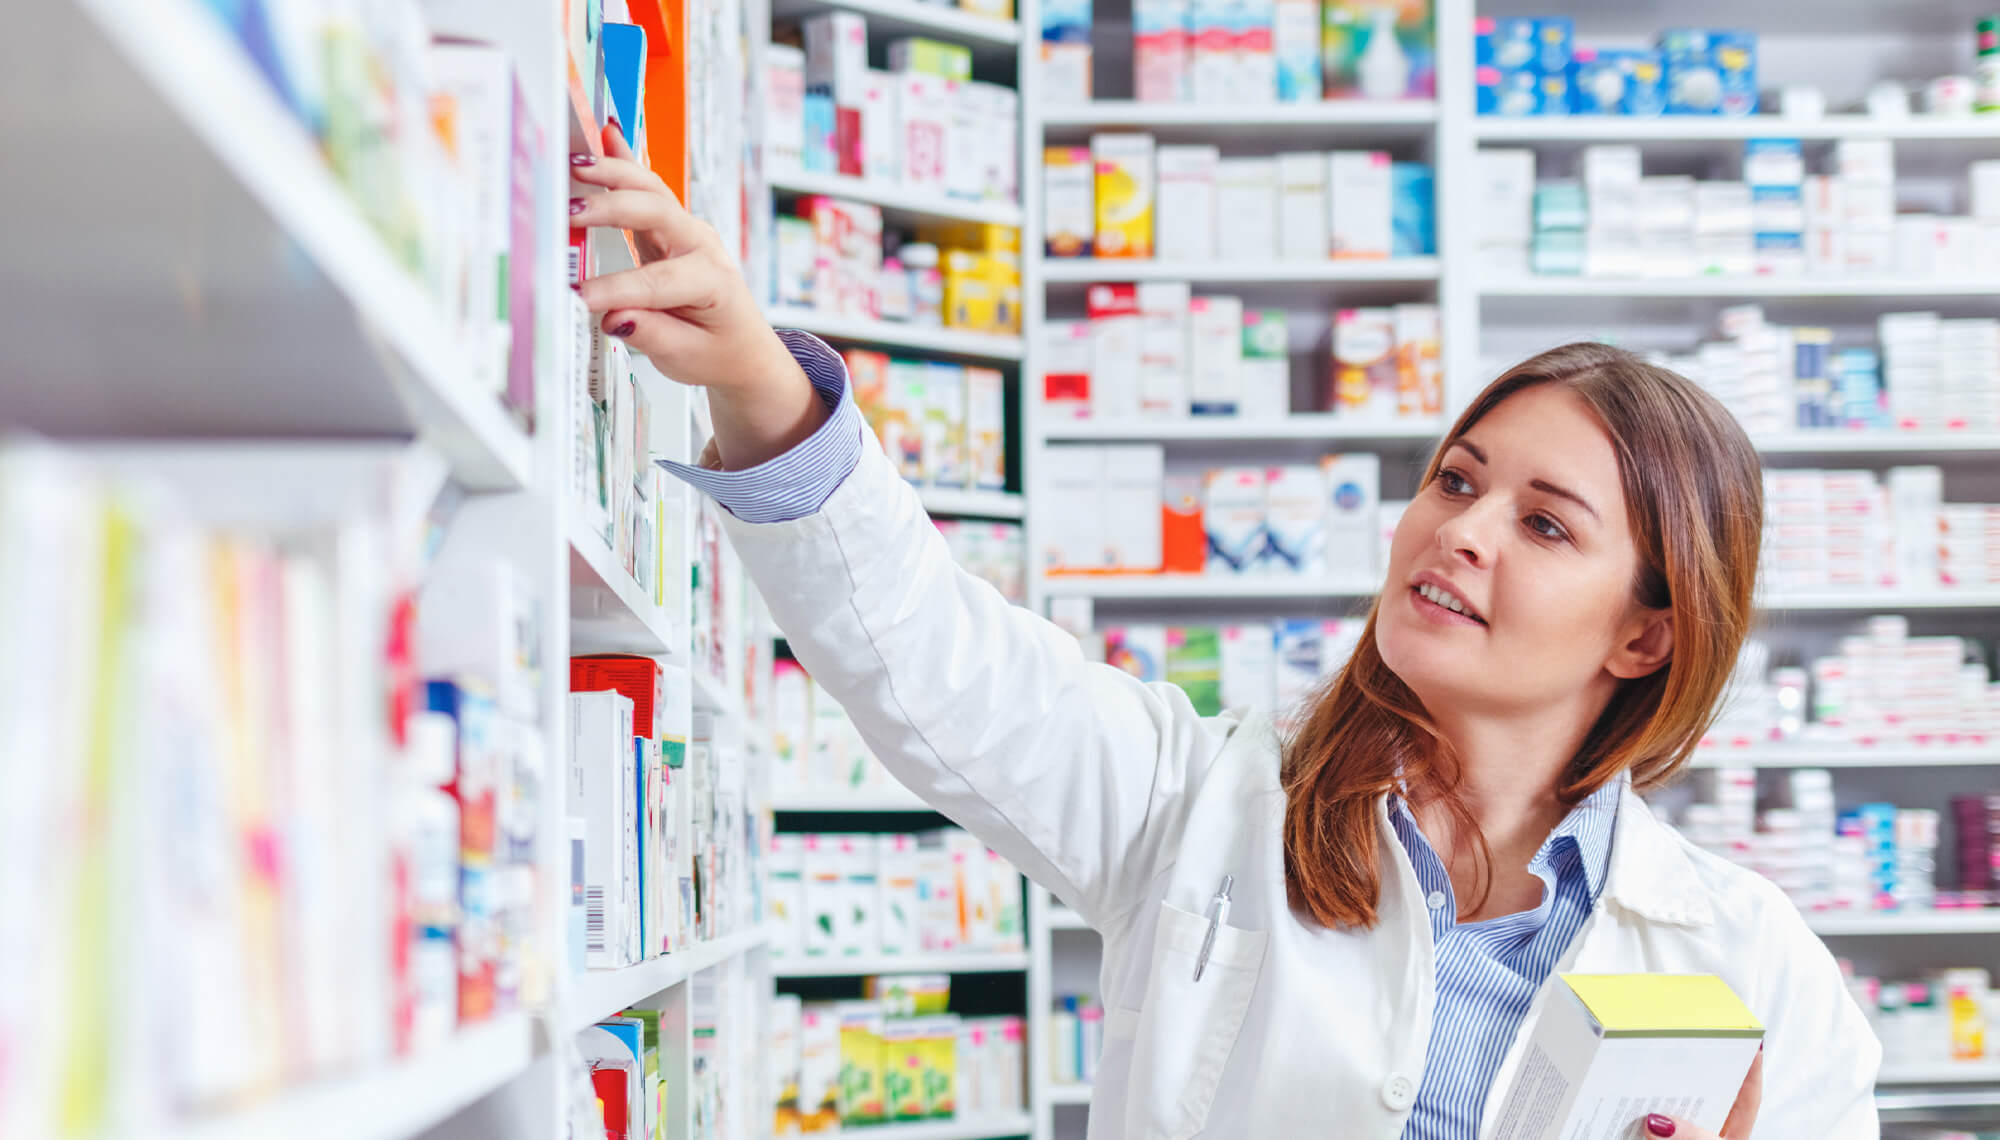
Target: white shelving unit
x=1944 y=1073
x=886 y=799
x=984 y=1127
x=1406 y=116
x=897 y=18
x=1861 y=288
x=392 y=1103
x=1697 y=128
x=1847 y=756
x=898 y=205
x=953 y=962
x=598 y=994
x=1063 y=918
x=1062 y=1094
x=1225 y=429
x=977 y=504
x=893 y=334
x=1889 y=924
x=1325 y=271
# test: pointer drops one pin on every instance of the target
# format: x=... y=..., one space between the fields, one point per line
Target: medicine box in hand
x=1611 y=1048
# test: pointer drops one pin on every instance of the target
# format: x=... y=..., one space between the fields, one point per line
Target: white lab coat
x=1129 y=806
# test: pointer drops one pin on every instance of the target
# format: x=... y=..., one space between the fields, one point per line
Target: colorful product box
x=1160 y=45
x=1233 y=510
x=1124 y=194
x=1709 y=72
x=1364 y=363
x=1295 y=517
x=1194 y=663
x=1254 y=41
x=1066 y=351
x=1511 y=92
x=1419 y=361
x=1212 y=51
x=932 y=57
x=1353 y=525
x=1266 y=369
x=986 y=427
x=1183 y=546
x=1295 y=35
x=1414 y=211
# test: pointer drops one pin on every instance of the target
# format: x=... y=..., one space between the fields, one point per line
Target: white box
x=1233 y=507
x=1133 y=477
x=1353 y=501
x=825 y=897
x=964 y=144
x=1065 y=74
x=1212 y=65
x=923 y=103
x=1721 y=207
x=1163 y=348
x=1506 y=193
x=784 y=109
x=603 y=778
x=1983 y=178
x=1869 y=205
x=1246 y=209
x=1114 y=356
x=986 y=428
x=1249 y=664
x=1825 y=200
x=837 y=57
x=1184 y=219
x=1266 y=368
x=881 y=157
x=1611 y=166
x=1070 y=479
x=1600 y=1060
x=1360 y=204
x=1255 y=49
x=999 y=110
x=1295 y=518
x=1866 y=160
x=1215 y=355
x=785 y=895
x=1065 y=378
x=1666 y=203
x=1302 y=209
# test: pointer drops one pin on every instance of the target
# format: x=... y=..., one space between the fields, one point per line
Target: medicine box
x=1246 y=208
x=986 y=427
x=1070 y=540
x=1248 y=665
x=1265 y=369
x=1130 y=519
x=1295 y=43
x=1066 y=348
x=837 y=56
x=1115 y=338
x=1069 y=201
x=1160 y=46
x=1215 y=355
x=1507 y=193
x=1295 y=521
x=1255 y=49
x=1163 y=347
x=1233 y=508
x=1611 y=1048
x=1187 y=201
x=932 y=57
x=1353 y=484
x=1364 y=363
x=1124 y=192
x=1302 y=208
x=1414 y=213
x=784 y=109
x=1212 y=54
x=1360 y=199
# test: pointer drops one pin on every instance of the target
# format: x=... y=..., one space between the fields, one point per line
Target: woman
x=1453 y=822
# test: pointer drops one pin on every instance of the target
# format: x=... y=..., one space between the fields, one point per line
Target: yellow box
x=903 y=1074
x=1124 y=168
x=940 y=1053
x=861 y=1063
x=976 y=237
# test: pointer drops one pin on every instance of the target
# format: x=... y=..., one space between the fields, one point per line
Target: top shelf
x=249 y=297
x=1704 y=128
x=892 y=19
x=900 y=206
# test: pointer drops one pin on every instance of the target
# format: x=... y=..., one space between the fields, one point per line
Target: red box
x=638 y=678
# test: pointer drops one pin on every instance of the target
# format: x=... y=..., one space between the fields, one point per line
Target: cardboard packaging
x=1215 y=354
x=1066 y=363
x=1611 y=1048
x=1183 y=544
x=1266 y=365
x=1070 y=539
x=1354 y=497
x=784 y=110
x=1253 y=35
x=1069 y=201
x=1295 y=518
x=1361 y=203
x=1302 y=208
x=1364 y=363
x=1295 y=43
x=1115 y=335
x=1233 y=506
x=1187 y=202
x=1161 y=61
x=1133 y=477
x=1124 y=183
x=837 y=57
x=1066 y=56
x=1163 y=348
x=1246 y=209
x=986 y=427
x=1249 y=664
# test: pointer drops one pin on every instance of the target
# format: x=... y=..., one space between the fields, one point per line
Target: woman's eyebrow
x=1547 y=487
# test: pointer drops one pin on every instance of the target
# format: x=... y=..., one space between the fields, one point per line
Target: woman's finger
x=675 y=283
x=652 y=334
x=1674 y=1128
x=614 y=173
x=1743 y=1114
x=623 y=210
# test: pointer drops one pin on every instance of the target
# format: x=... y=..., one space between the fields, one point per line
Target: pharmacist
x=1393 y=881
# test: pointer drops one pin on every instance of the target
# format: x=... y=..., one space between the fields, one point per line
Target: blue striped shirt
x=801 y=480
x=1488 y=972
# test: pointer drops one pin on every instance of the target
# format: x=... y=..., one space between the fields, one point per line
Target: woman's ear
x=1644 y=648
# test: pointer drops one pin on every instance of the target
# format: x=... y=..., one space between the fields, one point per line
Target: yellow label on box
x=1664 y=1005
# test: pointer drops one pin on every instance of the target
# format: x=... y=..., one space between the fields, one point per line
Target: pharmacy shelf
x=609 y=611
x=892 y=19
x=711 y=694
x=597 y=994
x=1846 y=756
x=1204 y=429
x=1730 y=287
x=1398 y=116
x=1697 y=128
x=401 y=1100
x=1074 y=270
x=1941 y=1073
x=928 y=338
x=899 y=206
x=1069 y=1094
x=1896 y=443
x=1883 y=601
x=1063 y=918
x=249 y=297
x=975 y=504
x=1197 y=587
x=894 y=797
x=983 y=1127
x=951 y=962
x=1899 y=923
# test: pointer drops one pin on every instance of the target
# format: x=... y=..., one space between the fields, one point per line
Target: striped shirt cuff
x=800 y=481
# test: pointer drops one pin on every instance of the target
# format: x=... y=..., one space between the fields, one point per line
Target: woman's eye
x=1453 y=483
x=1546 y=527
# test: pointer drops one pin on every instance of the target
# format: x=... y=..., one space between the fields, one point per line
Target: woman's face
x=1523 y=530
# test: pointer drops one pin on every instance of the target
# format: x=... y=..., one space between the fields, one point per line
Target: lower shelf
x=598 y=994
x=1941 y=1073
x=985 y=1127
x=1907 y=922
x=953 y=962
x=392 y=1103
x=1060 y=1094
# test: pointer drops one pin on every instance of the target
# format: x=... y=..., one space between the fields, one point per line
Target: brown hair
x=1694 y=493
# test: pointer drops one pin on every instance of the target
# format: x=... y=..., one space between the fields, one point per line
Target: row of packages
x=896 y=1057
x=836 y=258
x=942 y=425
x=840 y=895
x=1269 y=666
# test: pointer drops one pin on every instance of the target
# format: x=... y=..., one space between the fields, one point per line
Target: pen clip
x=1216 y=907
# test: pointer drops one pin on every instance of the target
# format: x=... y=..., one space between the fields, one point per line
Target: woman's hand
x=687 y=308
x=1742 y=1114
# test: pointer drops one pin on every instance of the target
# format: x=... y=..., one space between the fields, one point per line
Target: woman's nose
x=1468 y=534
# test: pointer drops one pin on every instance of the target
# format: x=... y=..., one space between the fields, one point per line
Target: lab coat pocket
x=1187 y=1028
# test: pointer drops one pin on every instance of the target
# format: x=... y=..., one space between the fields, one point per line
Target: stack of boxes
x=1507 y=221
x=1255 y=51
x=943 y=425
x=1562 y=215
x=1862 y=196
x=925 y=124
x=836 y=258
x=1775 y=171
x=1259 y=665
x=1533 y=66
x=1976 y=830
x=838 y=895
x=1126 y=197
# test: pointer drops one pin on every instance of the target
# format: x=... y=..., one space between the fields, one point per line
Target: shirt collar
x=1589 y=827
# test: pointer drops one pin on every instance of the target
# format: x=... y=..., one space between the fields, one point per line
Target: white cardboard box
x=1130 y=522
x=1610 y=1048
x=1163 y=348
x=1359 y=204
x=1246 y=209
x=1302 y=210
x=1215 y=353
x=1185 y=216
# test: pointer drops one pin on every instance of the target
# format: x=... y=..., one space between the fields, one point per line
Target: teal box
x=1561 y=205
x=1413 y=210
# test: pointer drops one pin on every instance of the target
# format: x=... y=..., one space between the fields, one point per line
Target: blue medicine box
x=1555 y=39
x=1507 y=91
x=1710 y=72
x=1505 y=44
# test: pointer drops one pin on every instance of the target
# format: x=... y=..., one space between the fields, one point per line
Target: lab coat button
x=1399 y=1092
x=1435 y=900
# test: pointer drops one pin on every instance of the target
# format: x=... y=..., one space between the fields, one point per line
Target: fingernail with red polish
x=583 y=160
x=627 y=328
x=575 y=207
x=1659 y=1125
